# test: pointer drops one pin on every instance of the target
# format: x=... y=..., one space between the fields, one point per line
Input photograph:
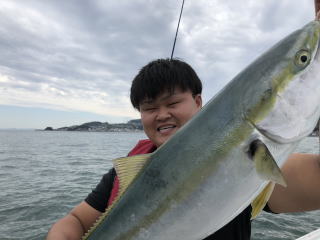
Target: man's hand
x=75 y=224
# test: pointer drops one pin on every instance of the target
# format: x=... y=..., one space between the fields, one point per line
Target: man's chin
x=165 y=139
x=162 y=138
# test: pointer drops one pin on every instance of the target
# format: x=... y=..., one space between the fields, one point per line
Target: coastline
x=131 y=126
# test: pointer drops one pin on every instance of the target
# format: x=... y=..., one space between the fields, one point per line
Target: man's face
x=164 y=115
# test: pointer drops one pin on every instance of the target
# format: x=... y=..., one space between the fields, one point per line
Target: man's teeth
x=164 y=128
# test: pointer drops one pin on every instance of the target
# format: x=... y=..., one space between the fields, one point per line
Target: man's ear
x=317 y=9
x=198 y=100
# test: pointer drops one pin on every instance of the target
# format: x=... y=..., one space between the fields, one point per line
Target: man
x=168 y=93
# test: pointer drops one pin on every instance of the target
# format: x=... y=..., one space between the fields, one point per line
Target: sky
x=64 y=63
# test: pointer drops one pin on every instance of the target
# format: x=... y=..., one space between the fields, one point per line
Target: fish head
x=284 y=104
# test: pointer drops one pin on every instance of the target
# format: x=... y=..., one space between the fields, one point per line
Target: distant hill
x=130 y=126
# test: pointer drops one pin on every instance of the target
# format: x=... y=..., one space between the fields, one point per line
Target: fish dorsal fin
x=261 y=200
x=127 y=168
x=265 y=164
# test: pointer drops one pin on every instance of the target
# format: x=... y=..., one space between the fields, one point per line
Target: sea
x=44 y=174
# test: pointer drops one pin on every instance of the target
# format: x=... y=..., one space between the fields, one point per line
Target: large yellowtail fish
x=222 y=160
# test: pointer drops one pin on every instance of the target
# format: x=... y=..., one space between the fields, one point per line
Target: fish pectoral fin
x=261 y=200
x=265 y=164
x=127 y=168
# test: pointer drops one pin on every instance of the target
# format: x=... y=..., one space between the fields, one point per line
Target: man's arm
x=75 y=224
x=302 y=174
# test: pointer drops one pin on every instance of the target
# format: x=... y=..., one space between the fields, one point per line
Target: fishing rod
x=175 y=39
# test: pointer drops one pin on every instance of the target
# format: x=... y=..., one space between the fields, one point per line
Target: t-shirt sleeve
x=98 y=198
x=267 y=209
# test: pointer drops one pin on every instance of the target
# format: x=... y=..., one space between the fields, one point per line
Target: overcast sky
x=69 y=62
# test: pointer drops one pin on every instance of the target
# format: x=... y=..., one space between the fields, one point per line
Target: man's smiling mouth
x=165 y=128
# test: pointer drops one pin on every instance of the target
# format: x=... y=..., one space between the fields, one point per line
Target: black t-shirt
x=98 y=198
x=238 y=229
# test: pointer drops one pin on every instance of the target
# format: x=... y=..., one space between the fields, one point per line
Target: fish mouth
x=272 y=136
x=286 y=135
x=279 y=139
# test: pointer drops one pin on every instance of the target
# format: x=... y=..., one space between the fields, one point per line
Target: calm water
x=45 y=174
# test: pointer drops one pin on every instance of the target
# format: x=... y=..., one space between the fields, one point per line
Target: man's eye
x=173 y=103
x=149 y=109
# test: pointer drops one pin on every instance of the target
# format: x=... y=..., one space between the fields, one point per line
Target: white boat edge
x=314 y=235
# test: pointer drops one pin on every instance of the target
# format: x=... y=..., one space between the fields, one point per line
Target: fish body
x=209 y=171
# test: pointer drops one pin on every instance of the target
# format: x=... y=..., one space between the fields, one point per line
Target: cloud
x=82 y=56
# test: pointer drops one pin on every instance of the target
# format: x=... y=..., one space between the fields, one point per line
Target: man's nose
x=163 y=114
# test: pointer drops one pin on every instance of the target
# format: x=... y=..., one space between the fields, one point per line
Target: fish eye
x=302 y=58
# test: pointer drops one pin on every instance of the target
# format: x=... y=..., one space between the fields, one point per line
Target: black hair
x=163 y=75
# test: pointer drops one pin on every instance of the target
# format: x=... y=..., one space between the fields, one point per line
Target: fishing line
x=175 y=39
